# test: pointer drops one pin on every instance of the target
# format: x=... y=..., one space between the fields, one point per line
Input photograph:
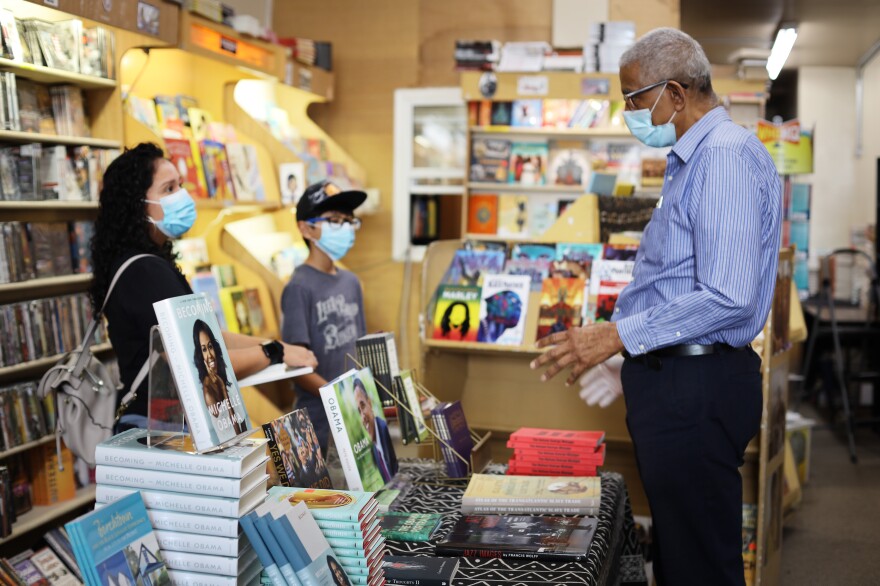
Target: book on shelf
x=216 y=167
x=504 y=303
x=569 y=167
x=357 y=422
x=527 y=113
x=117 y=543
x=653 y=171
x=533 y=251
x=490 y=160
x=561 y=302
x=413 y=416
x=602 y=183
x=469 y=265
x=192 y=504
x=537 y=495
x=457 y=313
x=59 y=542
x=542 y=211
x=535 y=269
x=513 y=215
x=204 y=378
x=558 y=112
x=55 y=570
x=205 y=282
x=225 y=275
x=53 y=481
x=181 y=482
x=528 y=163
x=23 y=416
x=245 y=171
x=606 y=299
x=419 y=571
x=575 y=260
x=235 y=310
x=184 y=155
x=170 y=452
x=451 y=427
x=295 y=453
x=21 y=569
x=519 y=537
x=482 y=214
x=502 y=113
x=378 y=352
x=402 y=526
x=293 y=182
x=168 y=116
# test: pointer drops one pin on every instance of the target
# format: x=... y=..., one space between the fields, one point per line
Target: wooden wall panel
x=647 y=14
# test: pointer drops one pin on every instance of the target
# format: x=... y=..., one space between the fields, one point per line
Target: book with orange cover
x=483 y=214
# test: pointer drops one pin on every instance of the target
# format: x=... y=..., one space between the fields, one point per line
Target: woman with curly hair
x=143 y=207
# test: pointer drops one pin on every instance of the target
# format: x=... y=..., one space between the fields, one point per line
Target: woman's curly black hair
x=122 y=223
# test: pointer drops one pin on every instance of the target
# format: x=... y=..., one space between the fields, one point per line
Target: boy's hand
x=299 y=356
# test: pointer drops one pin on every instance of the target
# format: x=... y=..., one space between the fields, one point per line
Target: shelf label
x=216 y=42
x=533 y=85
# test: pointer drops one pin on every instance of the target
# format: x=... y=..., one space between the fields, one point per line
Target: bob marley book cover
x=561 y=301
x=457 y=313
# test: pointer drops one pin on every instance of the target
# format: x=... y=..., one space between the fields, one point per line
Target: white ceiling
x=830 y=32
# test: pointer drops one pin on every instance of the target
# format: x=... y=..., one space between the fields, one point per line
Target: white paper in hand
x=601 y=384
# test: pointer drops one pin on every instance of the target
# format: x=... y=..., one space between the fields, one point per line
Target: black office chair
x=863 y=332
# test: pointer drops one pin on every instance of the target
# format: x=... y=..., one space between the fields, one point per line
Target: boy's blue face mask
x=180 y=213
x=642 y=126
x=336 y=239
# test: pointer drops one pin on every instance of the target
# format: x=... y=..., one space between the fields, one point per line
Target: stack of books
x=494 y=494
x=607 y=43
x=322 y=536
x=556 y=452
x=194 y=501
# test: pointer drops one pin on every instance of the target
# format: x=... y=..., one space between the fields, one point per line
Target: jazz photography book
x=294 y=451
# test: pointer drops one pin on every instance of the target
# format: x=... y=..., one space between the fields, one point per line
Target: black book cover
x=523 y=537
x=419 y=571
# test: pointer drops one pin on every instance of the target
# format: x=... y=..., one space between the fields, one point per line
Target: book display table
x=614 y=556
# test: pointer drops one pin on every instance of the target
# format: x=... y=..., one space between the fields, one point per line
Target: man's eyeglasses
x=355 y=223
x=628 y=97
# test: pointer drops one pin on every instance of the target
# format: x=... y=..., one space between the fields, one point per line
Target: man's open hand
x=579 y=348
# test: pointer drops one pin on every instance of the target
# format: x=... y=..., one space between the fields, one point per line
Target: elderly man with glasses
x=701 y=291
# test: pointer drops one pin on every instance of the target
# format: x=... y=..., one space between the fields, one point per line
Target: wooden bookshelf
x=43 y=74
x=37 y=367
x=17 y=137
x=220 y=204
x=41 y=515
x=471 y=347
x=47 y=211
x=45 y=287
x=25 y=447
x=526 y=189
x=553 y=133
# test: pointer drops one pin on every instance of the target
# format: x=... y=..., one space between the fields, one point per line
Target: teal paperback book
x=116 y=545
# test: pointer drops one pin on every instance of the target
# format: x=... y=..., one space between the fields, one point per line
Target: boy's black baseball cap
x=324 y=197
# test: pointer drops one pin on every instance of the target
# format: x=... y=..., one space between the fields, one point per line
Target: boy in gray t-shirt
x=322 y=305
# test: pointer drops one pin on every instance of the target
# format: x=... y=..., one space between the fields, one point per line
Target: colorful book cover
x=561 y=301
x=468 y=266
x=295 y=453
x=184 y=155
x=502 y=113
x=569 y=167
x=168 y=117
x=199 y=123
x=202 y=372
x=216 y=167
x=609 y=291
x=175 y=453
x=255 y=312
x=51 y=566
x=542 y=213
x=328 y=506
x=534 y=252
x=410 y=526
x=620 y=252
x=225 y=275
x=357 y=421
x=522 y=537
x=528 y=113
x=421 y=570
x=619 y=271
x=513 y=216
x=517 y=467
x=245 y=172
x=503 y=307
x=653 y=171
x=235 y=308
x=574 y=260
x=536 y=269
x=116 y=545
x=538 y=492
x=206 y=283
x=558 y=112
x=490 y=158
x=293 y=182
x=482 y=214
x=270 y=567
x=528 y=163
x=457 y=313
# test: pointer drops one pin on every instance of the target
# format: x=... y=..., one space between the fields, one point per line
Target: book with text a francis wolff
x=202 y=371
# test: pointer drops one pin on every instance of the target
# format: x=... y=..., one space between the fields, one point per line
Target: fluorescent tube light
x=781 y=48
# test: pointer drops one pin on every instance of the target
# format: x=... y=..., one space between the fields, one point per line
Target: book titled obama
x=202 y=371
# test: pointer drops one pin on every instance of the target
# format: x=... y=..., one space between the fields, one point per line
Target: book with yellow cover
x=496 y=494
x=235 y=310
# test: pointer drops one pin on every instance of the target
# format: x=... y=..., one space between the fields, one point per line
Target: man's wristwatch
x=274 y=351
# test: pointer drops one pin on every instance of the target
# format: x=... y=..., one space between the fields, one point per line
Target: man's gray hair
x=668 y=53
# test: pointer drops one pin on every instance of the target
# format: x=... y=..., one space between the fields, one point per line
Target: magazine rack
x=480 y=453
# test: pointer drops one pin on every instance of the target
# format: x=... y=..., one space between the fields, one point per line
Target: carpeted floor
x=834 y=536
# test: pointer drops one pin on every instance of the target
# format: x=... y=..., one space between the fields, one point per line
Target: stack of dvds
x=556 y=452
x=350 y=524
x=194 y=501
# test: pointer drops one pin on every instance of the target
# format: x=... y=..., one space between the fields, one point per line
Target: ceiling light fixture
x=785 y=38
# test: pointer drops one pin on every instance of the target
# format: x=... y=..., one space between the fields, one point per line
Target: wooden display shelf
x=25 y=447
x=219 y=204
x=52 y=204
x=526 y=189
x=554 y=133
x=40 y=365
x=45 y=287
x=45 y=74
x=40 y=515
x=471 y=347
x=16 y=136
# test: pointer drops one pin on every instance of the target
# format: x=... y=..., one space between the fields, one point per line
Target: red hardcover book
x=519 y=468
x=583 y=457
x=532 y=435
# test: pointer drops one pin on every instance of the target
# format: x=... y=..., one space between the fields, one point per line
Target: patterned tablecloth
x=614 y=556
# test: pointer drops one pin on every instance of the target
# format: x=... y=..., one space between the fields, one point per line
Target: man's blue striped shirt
x=706 y=268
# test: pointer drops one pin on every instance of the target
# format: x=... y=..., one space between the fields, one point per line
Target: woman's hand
x=299 y=356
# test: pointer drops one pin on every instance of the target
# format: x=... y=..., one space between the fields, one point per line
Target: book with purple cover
x=452 y=427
